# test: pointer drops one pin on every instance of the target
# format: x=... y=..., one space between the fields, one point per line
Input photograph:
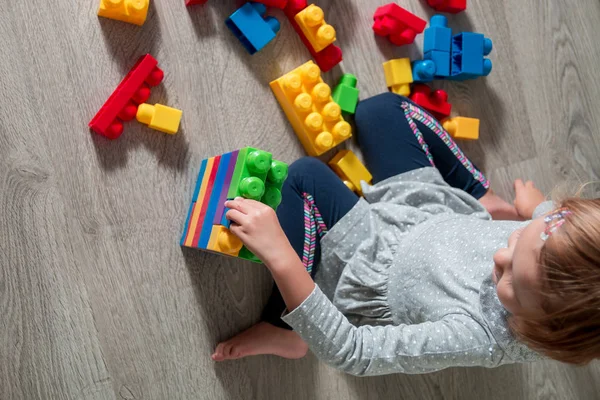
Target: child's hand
x=527 y=198
x=256 y=224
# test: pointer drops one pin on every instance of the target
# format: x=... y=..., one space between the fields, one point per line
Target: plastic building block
x=435 y=102
x=132 y=11
x=441 y=59
x=251 y=27
x=438 y=36
x=346 y=93
x=194 y=2
x=122 y=105
x=449 y=6
x=273 y=3
x=462 y=128
x=397 y=24
x=349 y=168
x=436 y=65
x=327 y=58
x=159 y=117
x=468 y=51
x=307 y=103
x=222 y=240
x=398 y=75
x=423 y=70
x=311 y=21
x=248 y=172
x=437 y=47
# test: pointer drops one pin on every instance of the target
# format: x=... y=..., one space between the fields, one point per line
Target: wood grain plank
x=98 y=301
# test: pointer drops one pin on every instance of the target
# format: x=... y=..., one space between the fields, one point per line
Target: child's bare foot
x=499 y=208
x=262 y=338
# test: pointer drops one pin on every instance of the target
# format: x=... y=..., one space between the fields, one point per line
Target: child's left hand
x=256 y=225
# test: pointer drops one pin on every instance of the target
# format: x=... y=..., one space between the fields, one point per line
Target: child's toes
x=227 y=350
x=218 y=354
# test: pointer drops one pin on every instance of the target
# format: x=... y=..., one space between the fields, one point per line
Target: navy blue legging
x=395 y=136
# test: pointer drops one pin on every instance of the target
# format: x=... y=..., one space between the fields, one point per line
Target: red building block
x=123 y=103
x=327 y=58
x=193 y=2
x=449 y=6
x=435 y=102
x=397 y=24
x=273 y=3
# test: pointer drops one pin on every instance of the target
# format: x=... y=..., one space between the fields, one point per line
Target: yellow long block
x=307 y=103
x=311 y=21
x=398 y=75
x=132 y=11
x=350 y=170
x=462 y=128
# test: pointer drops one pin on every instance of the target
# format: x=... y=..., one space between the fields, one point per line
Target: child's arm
x=527 y=198
x=455 y=340
x=257 y=226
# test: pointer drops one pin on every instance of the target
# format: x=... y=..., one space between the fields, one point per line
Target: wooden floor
x=97 y=299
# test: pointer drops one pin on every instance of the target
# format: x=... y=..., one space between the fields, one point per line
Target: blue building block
x=252 y=29
x=423 y=71
x=438 y=36
x=442 y=63
x=468 y=52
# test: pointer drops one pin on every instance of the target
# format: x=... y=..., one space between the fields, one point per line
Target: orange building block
x=222 y=240
x=462 y=128
x=350 y=170
x=311 y=21
x=307 y=103
x=132 y=11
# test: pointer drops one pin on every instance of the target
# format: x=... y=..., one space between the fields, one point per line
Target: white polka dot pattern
x=404 y=283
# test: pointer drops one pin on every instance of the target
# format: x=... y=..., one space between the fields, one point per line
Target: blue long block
x=214 y=201
x=442 y=62
x=468 y=52
x=438 y=36
x=198 y=180
x=251 y=29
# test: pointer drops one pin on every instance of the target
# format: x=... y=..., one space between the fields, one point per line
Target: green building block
x=258 y=177
x=345 y=93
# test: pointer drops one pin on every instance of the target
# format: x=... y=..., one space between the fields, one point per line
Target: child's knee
x=381 y=104
x=306 y=166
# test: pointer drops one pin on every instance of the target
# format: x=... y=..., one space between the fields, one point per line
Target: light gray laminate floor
x=97 y=299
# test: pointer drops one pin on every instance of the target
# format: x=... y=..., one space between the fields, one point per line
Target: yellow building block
x=132 y=11
x=349 y=168
x=159 y=117
x=311 y=21
x=462 y=128
x=222 y=240
x=398 y=75
x=307 y=103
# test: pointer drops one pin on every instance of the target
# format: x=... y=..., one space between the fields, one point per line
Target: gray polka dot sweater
x=404 y=283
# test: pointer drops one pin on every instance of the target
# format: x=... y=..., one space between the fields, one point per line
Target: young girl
x=417 y=277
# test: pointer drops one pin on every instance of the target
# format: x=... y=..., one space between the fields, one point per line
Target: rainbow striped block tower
x=248 y=173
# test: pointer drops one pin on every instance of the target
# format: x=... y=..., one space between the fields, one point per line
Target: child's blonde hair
x=569 y=330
